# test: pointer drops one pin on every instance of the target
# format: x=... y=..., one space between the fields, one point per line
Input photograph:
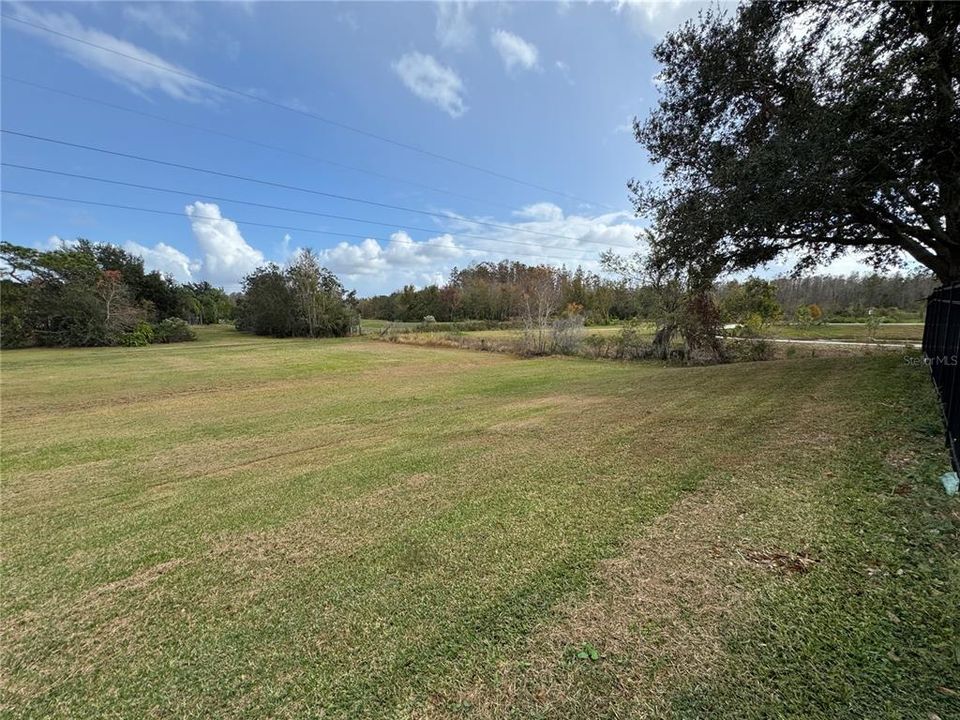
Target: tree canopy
x=812 y=128
x=301 y=300
x=88 y=293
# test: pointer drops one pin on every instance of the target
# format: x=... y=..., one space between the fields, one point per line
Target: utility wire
x=284 y=186
x=306 y=113
x=220 y=198
x=292 y=228
x=256 y=143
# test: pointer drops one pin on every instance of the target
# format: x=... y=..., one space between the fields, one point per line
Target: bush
x=173 y=330
x=596 y=345
x=141 y=336
x=751 y=350
x=567 y=334
x=628 y=344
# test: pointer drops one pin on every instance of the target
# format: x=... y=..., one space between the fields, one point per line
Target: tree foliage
x=753 y=297
x=83 y=294
x=495 y=292
x=683 y=301
x=302 y=300
x=205 y=304
x=812 y=127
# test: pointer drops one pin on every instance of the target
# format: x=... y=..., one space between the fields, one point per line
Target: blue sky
x=540 y=92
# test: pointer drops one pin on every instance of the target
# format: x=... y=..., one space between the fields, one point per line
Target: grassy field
x=890 y=332
x=853 y=332
x=247 y=527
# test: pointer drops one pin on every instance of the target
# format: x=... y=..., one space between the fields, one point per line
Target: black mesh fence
x=941 y=351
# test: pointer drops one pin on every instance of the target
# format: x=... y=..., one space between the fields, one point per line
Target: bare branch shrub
x=540 y=298
x=567 y=334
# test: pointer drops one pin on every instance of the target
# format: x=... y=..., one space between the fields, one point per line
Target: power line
x=300 y=211
x=292 y=228
x=306 y=113
x=284 y=186
x=267 y=206
x=256 y=143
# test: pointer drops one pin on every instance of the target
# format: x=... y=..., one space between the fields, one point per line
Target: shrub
x=173 y=330
x=873 y=323
x=752 y=326
x=751 y=350
x=596 y=345
x=567 y=334
x=628 y=344
x=141 y=336
x=534 y=341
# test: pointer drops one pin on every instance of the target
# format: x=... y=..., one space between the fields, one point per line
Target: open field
x=248 y=527
x=853 y=332
x=858 y=332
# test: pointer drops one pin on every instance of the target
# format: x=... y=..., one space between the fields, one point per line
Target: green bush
x=173 y=330
x=141 y=336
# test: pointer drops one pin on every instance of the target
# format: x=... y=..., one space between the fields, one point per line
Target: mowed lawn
x=858 y=332
x=248 y=527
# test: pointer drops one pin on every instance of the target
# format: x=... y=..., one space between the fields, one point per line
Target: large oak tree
x=817 y=128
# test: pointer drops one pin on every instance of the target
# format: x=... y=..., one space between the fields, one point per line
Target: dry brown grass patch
x=780 y=561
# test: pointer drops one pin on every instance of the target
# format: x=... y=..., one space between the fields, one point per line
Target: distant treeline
x=495 y=292
x=855 y=295
x=87 y=294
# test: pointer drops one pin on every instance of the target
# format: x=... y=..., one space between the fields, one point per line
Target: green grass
x=250 y=527
x=899 y=332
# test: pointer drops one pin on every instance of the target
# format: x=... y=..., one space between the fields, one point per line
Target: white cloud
x=454 y=29
x=165 y=258
x=545 y=211
x=429 y=80
x=130 y=73
x=170 y=21
x=849 y=262
x=401 y=254
x=227 y=257
x=372 y=266
x=514 y=50
x=544 y=233
x=655 y=18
